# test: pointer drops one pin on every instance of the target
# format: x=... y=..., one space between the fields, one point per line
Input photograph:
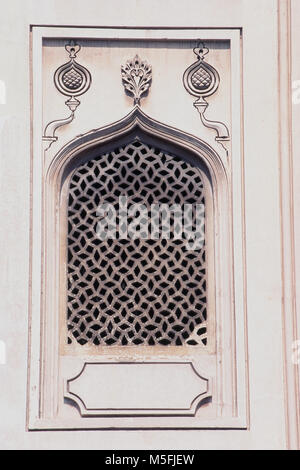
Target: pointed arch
x=124 y=130
x=137 y=125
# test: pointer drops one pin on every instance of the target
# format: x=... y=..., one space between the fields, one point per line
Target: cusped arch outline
x=137 y=124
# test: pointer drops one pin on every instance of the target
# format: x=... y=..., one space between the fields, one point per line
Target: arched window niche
x=181 y=371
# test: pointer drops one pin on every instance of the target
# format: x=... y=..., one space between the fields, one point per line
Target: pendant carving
x=72 y=80
x=202 y=80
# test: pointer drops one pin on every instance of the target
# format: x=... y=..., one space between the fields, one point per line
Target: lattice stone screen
x=134 y=291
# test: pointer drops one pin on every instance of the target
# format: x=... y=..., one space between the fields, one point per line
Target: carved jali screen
x=134 y=291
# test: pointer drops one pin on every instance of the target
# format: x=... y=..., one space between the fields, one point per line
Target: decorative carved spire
x=136 y=77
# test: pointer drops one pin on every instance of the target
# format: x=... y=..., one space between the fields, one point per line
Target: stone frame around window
x=45 y=392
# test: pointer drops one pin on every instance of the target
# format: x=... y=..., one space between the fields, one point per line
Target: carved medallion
x=72 y=79
x=201 y=79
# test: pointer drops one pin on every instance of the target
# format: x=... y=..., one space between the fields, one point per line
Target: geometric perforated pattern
x=201 y=79
x=133 y=291
x=72 y=79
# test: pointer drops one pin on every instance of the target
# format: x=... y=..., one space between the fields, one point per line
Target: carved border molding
x=290 y=316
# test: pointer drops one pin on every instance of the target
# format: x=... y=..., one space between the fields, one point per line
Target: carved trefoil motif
x=136 y=78
x=202 y=80
x=72 y=80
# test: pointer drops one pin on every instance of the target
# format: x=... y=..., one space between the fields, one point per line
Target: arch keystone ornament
x=136 y=78
x=202 y=80
x=72 y=80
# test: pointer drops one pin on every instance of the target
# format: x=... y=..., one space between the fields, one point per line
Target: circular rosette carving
x=201 y=79
x=72 y=79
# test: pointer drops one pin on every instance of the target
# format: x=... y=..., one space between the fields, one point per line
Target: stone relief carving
x=136 y=78
x=202 y=80
x=72 y=80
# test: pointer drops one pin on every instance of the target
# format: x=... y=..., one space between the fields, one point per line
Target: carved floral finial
x=136 y=77
x=201 y=50
x=72 y=48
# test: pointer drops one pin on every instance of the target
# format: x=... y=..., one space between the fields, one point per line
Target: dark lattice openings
x=134 y=291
